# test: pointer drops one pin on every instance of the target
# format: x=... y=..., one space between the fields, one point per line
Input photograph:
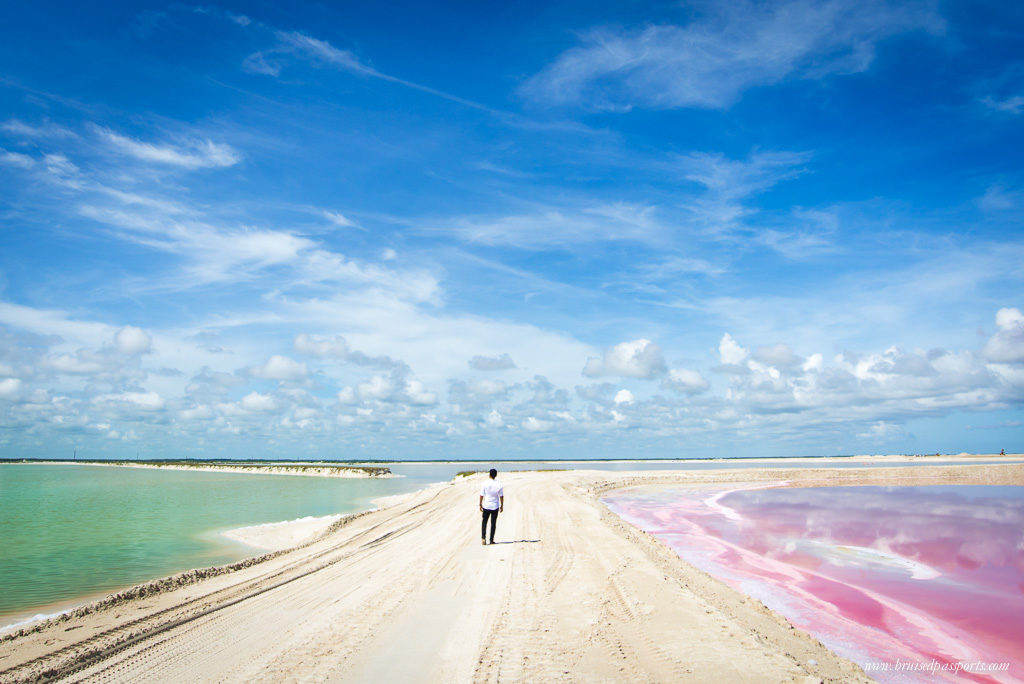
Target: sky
x=511 y=230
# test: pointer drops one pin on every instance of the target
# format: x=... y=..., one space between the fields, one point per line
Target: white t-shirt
x=491 y=490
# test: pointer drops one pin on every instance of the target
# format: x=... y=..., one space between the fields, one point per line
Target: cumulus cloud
x=492 y=363
x=133 y=341
x=258 y=403
x=417 y=394
x=147 y=401
x=378 y=388
x=323 y=347
x=730 y=352
x=685 y=381
x=712 y=61
x=191 y=154
x=337 y=347
x=1007 y=345
x=636 y=359
x=494 y=419
x=533 y=424
x=280 y=368
x=10 y=388
x=624 y=396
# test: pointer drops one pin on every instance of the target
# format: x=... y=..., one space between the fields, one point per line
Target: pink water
x=893 y=578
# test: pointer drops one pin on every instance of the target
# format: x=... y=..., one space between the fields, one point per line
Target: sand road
x=408 y=594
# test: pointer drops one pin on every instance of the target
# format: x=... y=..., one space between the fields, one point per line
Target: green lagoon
x=70 y=532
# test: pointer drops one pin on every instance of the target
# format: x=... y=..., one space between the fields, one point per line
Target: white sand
x=276 y=536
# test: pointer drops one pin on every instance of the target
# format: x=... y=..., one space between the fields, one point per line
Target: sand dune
x=408 y=594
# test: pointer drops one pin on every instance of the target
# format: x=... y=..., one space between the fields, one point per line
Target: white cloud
x=814 y=363
x=147 y=401
x=280 y=368
x=1013 y=104
x=378 y=388
x=561 y=227
x=258 y=403
x=201 y=412
x=712 y=61
x=882 y=431
x=490 y=388
x=10 y=388
x=686 y=381
x=780 y=354
x=16 y=159
x=1007 y=345
x=417 y=394
x=533 y=424
x=191 y=154
x=43 y=130
x=323 y=347
x=494 y=419
x=133 y=341
x=624 y=396
x=636 y=359
x=730 y=352
x=339 y=219
x=322 y=53
x=492 y=363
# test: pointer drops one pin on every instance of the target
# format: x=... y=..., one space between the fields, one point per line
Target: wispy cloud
x=1013 y=104
x=295 y=44
x=559 y=228
x=42 y=130
x=190 y=154
x=710 y=62
x=9 y=158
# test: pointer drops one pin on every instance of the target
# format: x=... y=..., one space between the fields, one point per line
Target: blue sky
x=528 y=230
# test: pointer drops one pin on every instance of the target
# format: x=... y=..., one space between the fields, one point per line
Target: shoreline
x=400 y=566
x=354 y=472
x=257 y=540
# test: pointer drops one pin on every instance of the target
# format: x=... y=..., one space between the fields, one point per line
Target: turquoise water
x=68 y=532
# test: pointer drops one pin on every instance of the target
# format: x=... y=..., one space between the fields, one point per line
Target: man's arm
x=501 y=503
x=481 y=502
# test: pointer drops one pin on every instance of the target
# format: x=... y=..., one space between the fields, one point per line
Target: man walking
x=492 y=502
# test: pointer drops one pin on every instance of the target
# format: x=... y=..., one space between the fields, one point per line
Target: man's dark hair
x=494 y=473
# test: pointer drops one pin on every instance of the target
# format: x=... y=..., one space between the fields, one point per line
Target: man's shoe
x=484 y=542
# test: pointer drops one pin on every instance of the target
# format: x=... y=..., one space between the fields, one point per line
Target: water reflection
x=877 y=573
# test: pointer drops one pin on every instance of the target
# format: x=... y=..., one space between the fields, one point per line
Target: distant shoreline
x=379 y=463
x=343 y=471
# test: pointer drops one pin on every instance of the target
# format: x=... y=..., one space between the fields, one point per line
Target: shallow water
x=73 y=531
x=891 y=577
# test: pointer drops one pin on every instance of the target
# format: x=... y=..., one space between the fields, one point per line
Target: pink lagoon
x=912 y=583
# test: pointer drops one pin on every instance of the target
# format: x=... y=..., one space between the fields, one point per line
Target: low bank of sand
x=246 y=468
x=407 y=593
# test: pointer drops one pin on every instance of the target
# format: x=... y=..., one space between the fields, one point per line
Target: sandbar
x=407 y=593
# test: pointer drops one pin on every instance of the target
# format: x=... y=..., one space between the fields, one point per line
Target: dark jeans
x=493 y=515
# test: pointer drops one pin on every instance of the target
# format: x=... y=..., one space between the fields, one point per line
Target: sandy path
x=409 y=594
